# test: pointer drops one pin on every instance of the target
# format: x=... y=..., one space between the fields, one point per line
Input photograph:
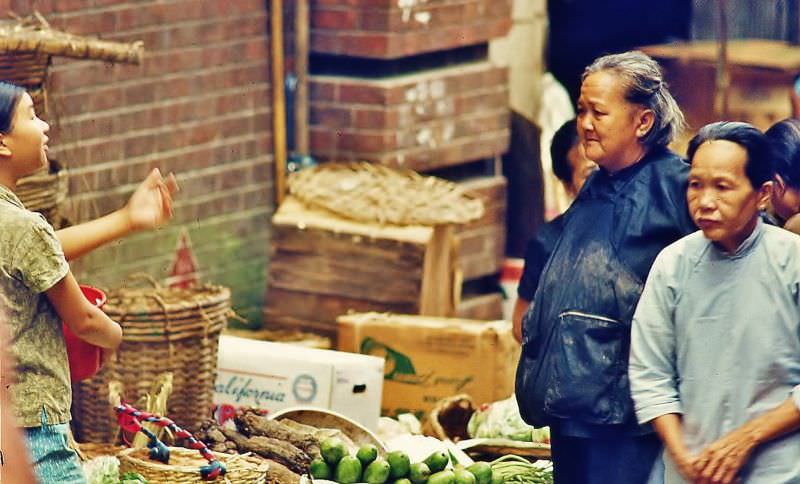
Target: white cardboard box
x=274 y=376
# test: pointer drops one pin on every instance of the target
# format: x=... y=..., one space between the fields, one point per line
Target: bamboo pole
x=278 y=100
x=301 y=69
x=723 y=77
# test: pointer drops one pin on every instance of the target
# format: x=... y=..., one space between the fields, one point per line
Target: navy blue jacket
x=576 y=334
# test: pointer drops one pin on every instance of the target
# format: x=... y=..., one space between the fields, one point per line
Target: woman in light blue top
x=715 y=350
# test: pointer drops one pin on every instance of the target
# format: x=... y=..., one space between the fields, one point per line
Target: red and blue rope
x=131 y=420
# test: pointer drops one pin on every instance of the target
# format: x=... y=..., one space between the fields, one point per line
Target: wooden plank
x=342 y=277
x=440 y=287
x=487 y=307
x=309 y=240
x=482 y=242
x=487 y=188
x=492 y=215
x=482 y=251
x=293 y=213
x=278 y=99
x=759 y=53
x=317 y=313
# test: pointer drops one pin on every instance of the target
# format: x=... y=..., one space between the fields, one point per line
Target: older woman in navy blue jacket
x=572 y=374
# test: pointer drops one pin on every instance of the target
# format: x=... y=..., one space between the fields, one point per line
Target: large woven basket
x=164 y=330
x=185 y=464
x=45 y=191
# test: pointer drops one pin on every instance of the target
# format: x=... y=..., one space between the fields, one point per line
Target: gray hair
x=645 y=86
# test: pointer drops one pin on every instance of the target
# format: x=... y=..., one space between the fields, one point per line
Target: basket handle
x=138 y=276
x=131 y=420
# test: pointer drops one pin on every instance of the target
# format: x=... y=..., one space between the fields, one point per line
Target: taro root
x=279 y=474
x=251 y=423
x=277 y=450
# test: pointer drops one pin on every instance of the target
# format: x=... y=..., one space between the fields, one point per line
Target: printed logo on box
x=304 y=388
x=246 y=389
x=399 y=368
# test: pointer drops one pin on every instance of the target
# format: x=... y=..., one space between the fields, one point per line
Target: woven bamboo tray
x=374 y=193
x=185 y=464
x=164 y=330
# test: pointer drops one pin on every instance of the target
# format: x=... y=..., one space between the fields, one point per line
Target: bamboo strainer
x=184 y=465
x=374 y=193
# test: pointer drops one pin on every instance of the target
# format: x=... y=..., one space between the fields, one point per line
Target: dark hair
x=784 y=137
x=759 y=167
x=563 y=140
x=9 y=98
x=645 y=86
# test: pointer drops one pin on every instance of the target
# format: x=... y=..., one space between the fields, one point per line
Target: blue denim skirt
x=53 y=459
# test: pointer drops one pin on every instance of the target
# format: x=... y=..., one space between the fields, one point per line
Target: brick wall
x=199 y=105
x=422 y=121
x=391 y=29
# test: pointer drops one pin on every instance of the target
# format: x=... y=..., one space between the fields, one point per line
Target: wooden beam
x=278 y=100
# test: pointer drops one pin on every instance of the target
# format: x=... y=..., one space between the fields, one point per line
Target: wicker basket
x=185 y=464
x=45 y=191
x=164 y=330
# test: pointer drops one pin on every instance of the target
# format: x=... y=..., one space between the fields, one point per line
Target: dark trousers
x=614 y=460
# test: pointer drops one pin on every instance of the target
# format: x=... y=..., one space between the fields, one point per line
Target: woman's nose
x=708 y=199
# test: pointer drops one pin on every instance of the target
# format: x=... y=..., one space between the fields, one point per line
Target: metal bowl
x=322 y=419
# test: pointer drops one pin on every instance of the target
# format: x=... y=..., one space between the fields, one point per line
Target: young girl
x=41 y=291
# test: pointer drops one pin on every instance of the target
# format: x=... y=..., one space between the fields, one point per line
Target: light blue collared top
x=716 y=337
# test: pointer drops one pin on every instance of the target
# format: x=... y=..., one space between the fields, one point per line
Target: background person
x=784 y=138
x=572 y=168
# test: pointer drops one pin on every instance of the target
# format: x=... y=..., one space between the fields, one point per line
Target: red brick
x=365 y=44
x=340 y=19
x=366 y=142
x=322 y=140
x=360 y=93
x=375 y=118
x=391 y=32
x=330 y=116
x=320 y=90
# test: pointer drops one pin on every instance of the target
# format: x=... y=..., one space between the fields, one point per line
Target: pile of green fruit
x=396 y=468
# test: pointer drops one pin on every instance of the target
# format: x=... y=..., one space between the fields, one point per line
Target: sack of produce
x=501 y=420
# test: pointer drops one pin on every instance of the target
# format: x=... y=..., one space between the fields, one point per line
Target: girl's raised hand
x=150 y=206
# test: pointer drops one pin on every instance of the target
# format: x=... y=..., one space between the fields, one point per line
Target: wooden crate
x=482 y=242
x=762 y=73
x=484 y=307
x=324 y=266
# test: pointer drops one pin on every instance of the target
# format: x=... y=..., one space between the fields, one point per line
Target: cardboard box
x=274 y=376
x=428 y=359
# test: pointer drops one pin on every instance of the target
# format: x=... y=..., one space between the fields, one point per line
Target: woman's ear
x=4 y=150
x=778 y=185
x=645 y=122
x=764 y=194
